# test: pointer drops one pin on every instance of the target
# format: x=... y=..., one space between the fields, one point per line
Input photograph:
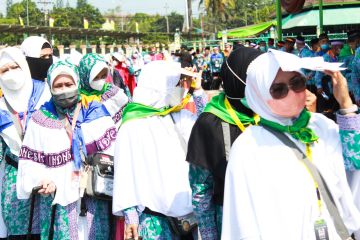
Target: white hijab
x=261 y=74
x=157 y=82
x=150 y=152
x=16 y=91
x=32 y=46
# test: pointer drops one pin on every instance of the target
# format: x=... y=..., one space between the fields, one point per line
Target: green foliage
x=85 y=10
x=8 y=5
x=59 y=4
x=175 y=21
x=9 y=21
x=227 y=14
x=36 y=17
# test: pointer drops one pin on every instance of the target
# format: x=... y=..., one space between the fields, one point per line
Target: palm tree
x=217 y=7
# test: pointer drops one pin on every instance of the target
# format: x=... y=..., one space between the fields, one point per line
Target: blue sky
x=133 y=6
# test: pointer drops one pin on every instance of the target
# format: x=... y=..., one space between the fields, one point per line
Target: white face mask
x=176 y=96
x=98 y=84
x=13 y=79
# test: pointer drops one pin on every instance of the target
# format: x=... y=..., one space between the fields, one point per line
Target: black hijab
x=206 y=144
x=238 y=61
x=39 y=66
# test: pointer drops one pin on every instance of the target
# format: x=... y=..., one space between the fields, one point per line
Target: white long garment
x=270 y=195
x=150 y=166
x=45 y=154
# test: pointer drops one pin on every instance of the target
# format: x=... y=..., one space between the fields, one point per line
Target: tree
x=59 y=4
x=175 y=21
x=36 y=17
x=226 y=14
x=9 y=3
x=85 y=10
x=145 y=21
x=81 y=3
x=217 y=7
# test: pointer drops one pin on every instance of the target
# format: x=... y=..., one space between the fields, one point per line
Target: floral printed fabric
x=355 y=75
x=209 y=215
x=349 y=129
x=200 y=101
x=66 y=219
x=154 y=228
x=15 y=212
x=150 y=227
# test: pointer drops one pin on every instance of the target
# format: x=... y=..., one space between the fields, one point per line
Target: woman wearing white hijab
x=151 y=174
x=269 y=192
x=15 y=111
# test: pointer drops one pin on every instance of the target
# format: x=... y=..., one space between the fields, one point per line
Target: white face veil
x=156 y=84
x=261 y=74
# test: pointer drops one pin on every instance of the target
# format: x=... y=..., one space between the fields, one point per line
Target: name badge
x=321 y=230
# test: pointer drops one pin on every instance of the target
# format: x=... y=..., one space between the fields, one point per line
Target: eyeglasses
x=281 y=90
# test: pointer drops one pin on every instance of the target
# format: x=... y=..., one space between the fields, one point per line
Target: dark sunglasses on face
x=281 y=90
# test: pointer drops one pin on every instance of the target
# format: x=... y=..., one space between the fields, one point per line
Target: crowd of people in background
x=103 y=147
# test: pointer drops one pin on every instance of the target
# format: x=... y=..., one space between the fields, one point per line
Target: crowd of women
x=79 y=152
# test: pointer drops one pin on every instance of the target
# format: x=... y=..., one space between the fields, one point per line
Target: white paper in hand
x=291 y=62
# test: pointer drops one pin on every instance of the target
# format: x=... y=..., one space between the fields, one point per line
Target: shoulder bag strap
x=227 y=138
x=70 y=127
x=14 y=117
x=324 y=190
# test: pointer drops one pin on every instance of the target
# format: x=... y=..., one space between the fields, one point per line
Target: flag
x=51 y=22
x=21 y=21
x=137 y=27
x=112 y=25
x=86 y=24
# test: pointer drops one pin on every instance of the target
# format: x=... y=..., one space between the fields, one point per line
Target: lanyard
x=23 y=122
x=70 y=128
x=309 y=156
x=236 y=119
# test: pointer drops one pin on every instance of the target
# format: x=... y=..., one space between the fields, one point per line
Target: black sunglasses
x=281 y=90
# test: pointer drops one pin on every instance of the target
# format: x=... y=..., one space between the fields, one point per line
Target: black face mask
x=39 y=67
x=66 y=100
